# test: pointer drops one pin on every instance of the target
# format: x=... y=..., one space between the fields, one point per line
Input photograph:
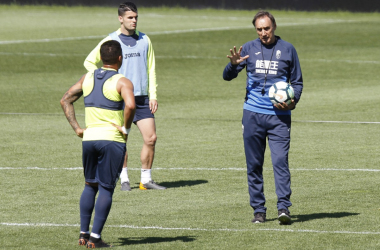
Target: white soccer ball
x=281 y=92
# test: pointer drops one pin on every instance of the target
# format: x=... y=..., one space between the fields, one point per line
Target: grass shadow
x=180 y=183
x=316 y=216
x=183 y=183
x=152 y=240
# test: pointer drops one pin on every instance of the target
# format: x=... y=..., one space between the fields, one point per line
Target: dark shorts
x=142 y=109
x=103 y=161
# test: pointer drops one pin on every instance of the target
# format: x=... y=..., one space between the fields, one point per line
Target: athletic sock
x=86 y=206
x=102 y=208
x=124 y=175
x=146 y=176
x=95 y=235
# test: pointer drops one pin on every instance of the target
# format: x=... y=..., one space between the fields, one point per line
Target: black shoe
x=96 y=243
x=259 y=218
x=83 y=239
x=284 y=217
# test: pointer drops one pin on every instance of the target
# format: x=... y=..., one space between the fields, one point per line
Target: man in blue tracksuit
x=267 y=59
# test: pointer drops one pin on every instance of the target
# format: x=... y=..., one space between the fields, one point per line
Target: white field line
x=308 y=60
x=182 y=57
x=344 y=61
x=37 y=114
x=349 y=122
x=201 y=169
x=224 y=18
x=40 y=54
x=47 y=40
x=191 y=229
x=59 y=114
x=185 y=57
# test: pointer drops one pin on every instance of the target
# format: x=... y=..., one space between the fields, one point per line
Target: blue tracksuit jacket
x=279 y=60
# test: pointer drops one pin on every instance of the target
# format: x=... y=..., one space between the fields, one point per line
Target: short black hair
x=126 y=6
x=110 y=52
x=261 y=14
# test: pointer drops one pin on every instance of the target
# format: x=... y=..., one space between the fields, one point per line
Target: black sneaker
x=96 y=243
x=284 y=217
x=83 y=239
x=259 y=218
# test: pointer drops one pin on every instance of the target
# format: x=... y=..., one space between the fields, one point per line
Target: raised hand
x=235 y=57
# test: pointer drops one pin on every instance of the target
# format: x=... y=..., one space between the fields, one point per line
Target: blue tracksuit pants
x=256 y=128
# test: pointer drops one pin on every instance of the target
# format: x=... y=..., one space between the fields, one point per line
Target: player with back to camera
x=138 y=66
x=267 y=59
x=104 y=139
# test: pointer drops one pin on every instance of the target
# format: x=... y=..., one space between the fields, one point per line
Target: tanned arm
x=125 y=89
x=67 y=103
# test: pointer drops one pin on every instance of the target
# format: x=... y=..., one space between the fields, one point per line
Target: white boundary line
x=348 y=122
x=40 y=54
x=191 y=229
x=182 y=57
x=201 y=169
x=46 y=40
x=345 y=61
x=59 y=114
x=37 y=114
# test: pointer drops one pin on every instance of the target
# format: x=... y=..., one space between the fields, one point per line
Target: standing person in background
x=267 y=59
x=104 y=139
x=138 y=66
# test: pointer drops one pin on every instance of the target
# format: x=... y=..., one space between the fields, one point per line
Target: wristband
x=125 y=131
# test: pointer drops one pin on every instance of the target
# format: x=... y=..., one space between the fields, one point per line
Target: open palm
x=235 y=56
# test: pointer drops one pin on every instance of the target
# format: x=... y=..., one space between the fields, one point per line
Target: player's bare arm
x=67 y=104
x=125 y=88
x=235 y=56
x=153 y=105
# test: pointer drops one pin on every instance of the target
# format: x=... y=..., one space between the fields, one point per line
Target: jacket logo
x=278 y=54
x=267 y=67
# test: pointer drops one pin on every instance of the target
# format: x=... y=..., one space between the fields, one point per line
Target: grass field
x=334 y=157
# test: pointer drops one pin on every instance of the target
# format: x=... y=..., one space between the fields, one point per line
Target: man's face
x=265 y=29
x=128 y=22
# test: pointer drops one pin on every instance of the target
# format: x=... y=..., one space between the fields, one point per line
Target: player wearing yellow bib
x=139 y=67
x=109 y=110
x=99 y=118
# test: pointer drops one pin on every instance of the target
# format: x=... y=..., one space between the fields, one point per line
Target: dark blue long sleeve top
x=275 y=62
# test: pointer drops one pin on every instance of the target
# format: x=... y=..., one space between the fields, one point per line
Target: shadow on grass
x=181 y=183
x=316 y=216
x=151 y=240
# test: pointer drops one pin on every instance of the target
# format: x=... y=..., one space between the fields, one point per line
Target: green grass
x=199 y=154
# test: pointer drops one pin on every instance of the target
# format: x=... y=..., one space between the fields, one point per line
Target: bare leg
x=147 y=128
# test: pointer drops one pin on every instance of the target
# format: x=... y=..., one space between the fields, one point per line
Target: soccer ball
x=281 y=92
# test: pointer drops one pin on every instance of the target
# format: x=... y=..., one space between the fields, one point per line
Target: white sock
x=88 y=232
x=95 y=235
x=124 y=175
x=145 y=176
